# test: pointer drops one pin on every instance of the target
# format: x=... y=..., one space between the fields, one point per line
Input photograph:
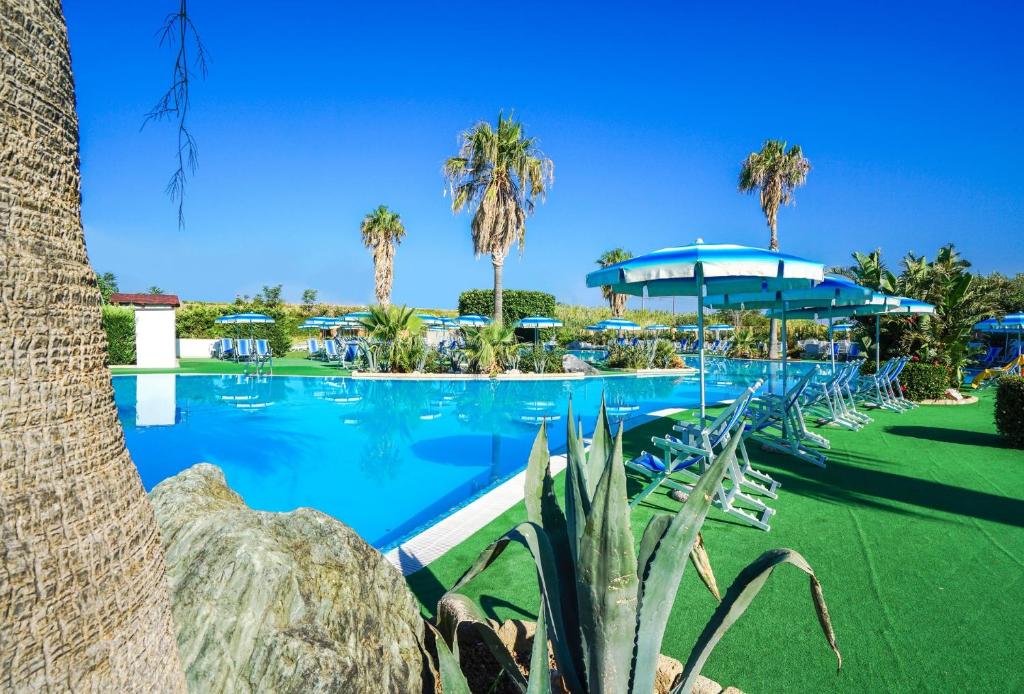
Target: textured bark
x=618 y=302
x=498 y=261
x=773 y=325
x=83 y=591
x=383 y=270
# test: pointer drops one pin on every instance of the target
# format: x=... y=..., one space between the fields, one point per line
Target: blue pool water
x=386 y=457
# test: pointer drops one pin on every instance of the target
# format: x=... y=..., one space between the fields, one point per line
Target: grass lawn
x=916 y=530
x=294 y=365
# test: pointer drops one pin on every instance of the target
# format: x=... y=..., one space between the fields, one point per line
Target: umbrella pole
x=785 y=369
x=700 y=338
x=831 y=346
x=878 y=343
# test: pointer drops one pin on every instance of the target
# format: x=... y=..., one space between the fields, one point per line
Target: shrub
x=119 y=324
x=518 y=303
x=541 y=360
x=1010 y=409
x=923 y=381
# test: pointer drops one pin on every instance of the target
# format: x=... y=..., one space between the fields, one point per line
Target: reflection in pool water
x=386 y=457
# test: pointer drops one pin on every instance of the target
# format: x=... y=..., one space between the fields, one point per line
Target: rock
x=573 y=364
x=269 y=602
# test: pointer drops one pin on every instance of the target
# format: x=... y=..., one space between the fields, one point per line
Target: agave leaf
x=452 y=679
x=653 y=533
x=540 y=672
x=665 y=567
x=577 y=501
x=478 y=621
x=542 y=508
x=607 y=582
x=701 y=562
x=600 y=449
x=739 y=596
x=535 y=540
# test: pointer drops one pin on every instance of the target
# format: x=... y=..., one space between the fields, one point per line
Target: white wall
x=195 y=348
x=154 y=337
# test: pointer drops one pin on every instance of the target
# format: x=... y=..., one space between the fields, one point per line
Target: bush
x=1010 y=410
x=922 y=381
x=119 y=324
x=518 y=303
x=541 y=360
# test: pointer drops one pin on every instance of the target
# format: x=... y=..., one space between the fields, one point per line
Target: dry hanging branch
x=179 y=31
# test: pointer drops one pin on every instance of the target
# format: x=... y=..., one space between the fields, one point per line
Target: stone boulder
x=573 y=364
x=281 y=602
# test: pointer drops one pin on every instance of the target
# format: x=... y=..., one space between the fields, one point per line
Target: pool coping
x=434 y=541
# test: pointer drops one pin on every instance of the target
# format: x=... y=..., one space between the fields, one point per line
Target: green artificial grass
x=283 y=366
x=916 y=530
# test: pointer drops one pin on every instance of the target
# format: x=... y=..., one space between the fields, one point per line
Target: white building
x=154 y=328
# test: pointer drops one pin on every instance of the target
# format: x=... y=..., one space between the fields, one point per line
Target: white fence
x=192 y=348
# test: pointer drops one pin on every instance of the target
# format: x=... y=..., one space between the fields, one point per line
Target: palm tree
x=501 y=173
x=775 y=173
x=616 y=301
x=382 y=230
x=83 y=585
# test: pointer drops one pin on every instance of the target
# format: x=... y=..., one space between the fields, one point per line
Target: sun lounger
x=777 y=423
x=243 y=350
x=315 y=350
x=687 y=458
x=331 y=352
x=224 y=348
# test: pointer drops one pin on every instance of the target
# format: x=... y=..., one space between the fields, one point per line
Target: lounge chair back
x=313 y=345
x=263 y=349
x=244 y=348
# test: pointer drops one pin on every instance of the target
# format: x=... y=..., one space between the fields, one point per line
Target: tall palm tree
x=501 y=173
x=382 y=230
x=775 y=173
x=83 y=586
x=616 y=301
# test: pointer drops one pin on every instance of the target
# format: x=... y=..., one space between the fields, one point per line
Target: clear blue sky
x=309 y=118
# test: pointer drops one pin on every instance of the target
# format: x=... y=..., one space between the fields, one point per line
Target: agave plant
x=395 y=331
x=604 y=602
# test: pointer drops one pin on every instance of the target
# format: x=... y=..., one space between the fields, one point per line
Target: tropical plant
x=382 y=230
x=501 y=173
x=870 y=271
x=489 y=349
x=616 y=301
x=605 y=603
x=107 y=283
x=775 y=173
x=396 y=334
x=85 y=599
x=155 y=290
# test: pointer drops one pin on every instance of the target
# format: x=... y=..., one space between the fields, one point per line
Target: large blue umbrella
x=700 y=269
x=473 y=320
x=834 y=290
x=657 y=328
x=538 y=322
x=1010 y=323
x=245 y=318
x=687 y=328
x=618 y=325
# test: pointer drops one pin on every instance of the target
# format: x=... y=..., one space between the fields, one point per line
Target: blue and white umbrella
x=538 y=322
x=429 y=320
x=473 y=320
x=688 y=328
x=618 y=325
x=657 y=328
x=245 y=318
x=1010 y=323
x=701 y=269
x=834 y=290
x=842 y=327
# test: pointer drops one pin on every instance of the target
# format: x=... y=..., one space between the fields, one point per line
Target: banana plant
x=605 y=602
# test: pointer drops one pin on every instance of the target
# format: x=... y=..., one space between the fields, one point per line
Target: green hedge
x=1010 y=410
x=517 y=303
x=923 y=381
x=119 y=324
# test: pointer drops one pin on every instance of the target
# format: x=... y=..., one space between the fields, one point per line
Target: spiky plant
x=501 y=173
x=604 y=602
x=382 y=230
x=616 y=301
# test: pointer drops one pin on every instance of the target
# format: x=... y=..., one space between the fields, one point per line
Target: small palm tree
x=501 y=173
x=775 y=172
x=382 y=230
x=616 y=301
x=490 y=347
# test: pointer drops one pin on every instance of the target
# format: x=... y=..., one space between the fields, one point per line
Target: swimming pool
x=387 y=457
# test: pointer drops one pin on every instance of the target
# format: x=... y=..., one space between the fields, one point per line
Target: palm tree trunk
x=773 y=325
x=83 y=588
x=383 y=257
x=619 y=304
x=498 y=261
